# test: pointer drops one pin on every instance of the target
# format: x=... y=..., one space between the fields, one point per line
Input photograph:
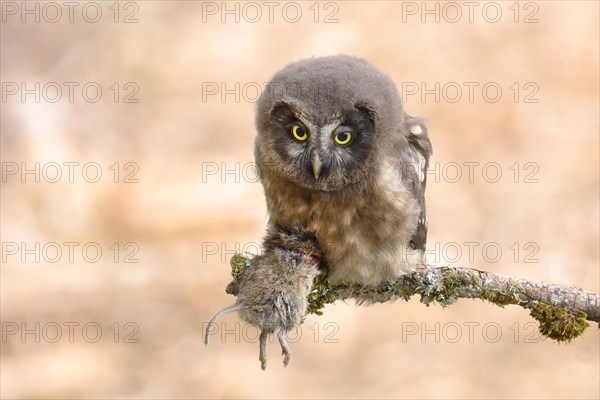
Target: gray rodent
x=272 y=290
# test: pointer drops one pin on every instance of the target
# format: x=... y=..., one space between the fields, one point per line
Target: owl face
x=325 y=123
x=320 y=153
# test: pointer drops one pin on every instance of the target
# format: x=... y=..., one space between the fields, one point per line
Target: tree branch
x=561 y=310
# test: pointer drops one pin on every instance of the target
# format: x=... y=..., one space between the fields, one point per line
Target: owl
x=336 y=154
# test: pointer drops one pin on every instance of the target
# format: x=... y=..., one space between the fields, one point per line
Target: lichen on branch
x=562 y=311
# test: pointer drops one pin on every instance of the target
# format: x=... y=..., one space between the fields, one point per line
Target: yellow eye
x=299 y=133
x=343 y=138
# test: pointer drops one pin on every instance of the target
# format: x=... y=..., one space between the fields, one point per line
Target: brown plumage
x=344 y=172
x=364 y=200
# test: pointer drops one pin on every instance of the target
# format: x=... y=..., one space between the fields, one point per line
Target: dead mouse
x=272 y=290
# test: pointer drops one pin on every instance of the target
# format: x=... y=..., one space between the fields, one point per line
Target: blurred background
x=127 y=184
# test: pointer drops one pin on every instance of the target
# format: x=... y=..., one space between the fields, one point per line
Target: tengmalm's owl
x=337 y=154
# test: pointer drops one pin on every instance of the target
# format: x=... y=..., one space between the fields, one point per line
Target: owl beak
x=316 y=165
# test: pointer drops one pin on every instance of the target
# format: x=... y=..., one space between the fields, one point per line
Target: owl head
x=322 y=123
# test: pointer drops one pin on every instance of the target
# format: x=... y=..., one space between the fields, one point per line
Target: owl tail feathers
x=219 y=314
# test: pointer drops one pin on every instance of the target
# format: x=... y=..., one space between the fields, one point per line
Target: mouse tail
x=219 y=314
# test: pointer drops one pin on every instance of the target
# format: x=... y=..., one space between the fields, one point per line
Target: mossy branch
x=561 y=310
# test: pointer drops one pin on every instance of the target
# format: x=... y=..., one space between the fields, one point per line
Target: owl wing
x=414 y=174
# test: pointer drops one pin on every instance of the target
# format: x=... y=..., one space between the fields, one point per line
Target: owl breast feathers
x=337 y=154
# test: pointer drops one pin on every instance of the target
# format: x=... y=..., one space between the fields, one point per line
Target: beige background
x=179 y=216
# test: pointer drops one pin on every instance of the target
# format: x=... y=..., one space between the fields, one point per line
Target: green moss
x=558 y=323
x=502 y=298
x=322 y=293
x=238 y=263
x=438 y=288
x=386 y=292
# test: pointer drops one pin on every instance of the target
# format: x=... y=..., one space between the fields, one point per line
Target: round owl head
x=322 y=122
